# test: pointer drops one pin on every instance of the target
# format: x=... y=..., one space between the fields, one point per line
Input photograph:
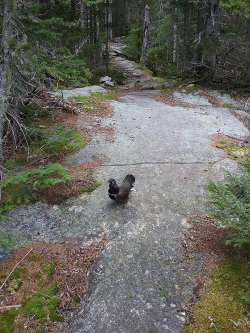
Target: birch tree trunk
x=5 y=66
x=146 y=33
x=175 y=43
x=208 y=31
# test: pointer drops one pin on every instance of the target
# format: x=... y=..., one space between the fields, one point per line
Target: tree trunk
x=82 y=14
x=107 y=22
x=110 y=20
x=208 y=30
x=146 y=33
x=5 y=67
x=175 y=43
x=213 y=29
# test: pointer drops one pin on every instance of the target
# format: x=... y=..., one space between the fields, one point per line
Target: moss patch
x=223 y=307
x=233 y=147
x=96 y=101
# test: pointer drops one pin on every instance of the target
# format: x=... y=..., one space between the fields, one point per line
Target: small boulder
x=104 y=79
x=107 y=81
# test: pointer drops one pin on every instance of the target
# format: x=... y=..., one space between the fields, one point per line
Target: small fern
x=54 y=141
x=230 y=200
x=21 y=188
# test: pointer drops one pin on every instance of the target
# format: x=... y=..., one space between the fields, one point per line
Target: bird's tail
x=130 y=179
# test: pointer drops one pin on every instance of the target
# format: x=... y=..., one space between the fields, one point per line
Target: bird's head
x=112 y=182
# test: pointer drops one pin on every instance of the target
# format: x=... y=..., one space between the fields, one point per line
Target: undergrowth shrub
x=54 y=141
x=33 y=111
x=230 y=200
x=133 y=42
x=64 y=70
x=22 y=188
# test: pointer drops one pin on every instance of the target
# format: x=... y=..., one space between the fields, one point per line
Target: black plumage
x=121 y=193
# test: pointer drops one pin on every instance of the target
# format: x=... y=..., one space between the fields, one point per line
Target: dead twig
x=22 y=129
x=14 y=268
x=8 y=307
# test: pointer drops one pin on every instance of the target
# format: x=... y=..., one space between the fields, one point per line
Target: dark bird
x=121 y=193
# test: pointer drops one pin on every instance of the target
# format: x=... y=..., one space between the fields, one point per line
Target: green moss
x=43 y=305
x=228 y=106
x=7 y=320
x=233 y=150
x=103 y=96
x=222 y=306
x=237 y=148
x=93 y=102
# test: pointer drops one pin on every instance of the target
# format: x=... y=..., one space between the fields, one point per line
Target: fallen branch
x=59 y=103
x=66 y=106
x=14 y=268
x=8 y=307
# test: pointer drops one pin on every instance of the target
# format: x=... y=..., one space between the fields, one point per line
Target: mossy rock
x=222 y=307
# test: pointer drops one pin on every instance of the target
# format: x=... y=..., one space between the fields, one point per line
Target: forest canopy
x=54 y=44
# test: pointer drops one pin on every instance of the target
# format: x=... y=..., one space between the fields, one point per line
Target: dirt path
x=143 y=278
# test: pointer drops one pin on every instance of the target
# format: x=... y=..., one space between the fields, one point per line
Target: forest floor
x=146 y=274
